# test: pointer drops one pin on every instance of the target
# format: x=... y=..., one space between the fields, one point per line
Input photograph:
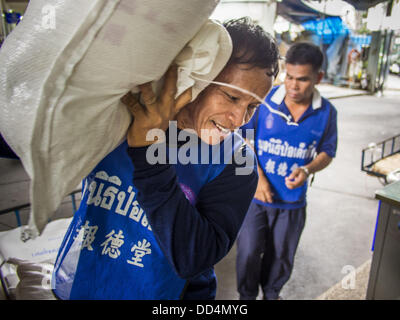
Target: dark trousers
x=266 y=246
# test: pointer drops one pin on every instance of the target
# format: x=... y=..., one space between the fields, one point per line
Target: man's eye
x=234 y=99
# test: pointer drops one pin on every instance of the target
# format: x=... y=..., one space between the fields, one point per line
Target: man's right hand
x=263 y=191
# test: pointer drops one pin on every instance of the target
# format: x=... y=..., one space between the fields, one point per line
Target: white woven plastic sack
x=67 y=64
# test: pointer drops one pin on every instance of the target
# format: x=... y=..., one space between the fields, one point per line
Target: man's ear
x=320 y=76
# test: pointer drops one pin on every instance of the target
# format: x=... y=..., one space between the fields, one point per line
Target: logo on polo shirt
x=269 y=121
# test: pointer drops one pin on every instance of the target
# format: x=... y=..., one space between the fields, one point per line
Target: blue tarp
x=328 y=28
x=361 y=40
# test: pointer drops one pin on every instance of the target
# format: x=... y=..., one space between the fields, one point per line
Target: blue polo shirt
x=155 y=230
x=281 y=148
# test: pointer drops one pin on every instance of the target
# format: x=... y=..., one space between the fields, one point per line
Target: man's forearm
x=321 y=161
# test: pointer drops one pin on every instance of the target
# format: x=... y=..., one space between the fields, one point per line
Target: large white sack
x=61 y=80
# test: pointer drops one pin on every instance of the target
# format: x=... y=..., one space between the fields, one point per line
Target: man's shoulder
x=244 y=161
x=326 y=103
x=272 y=96
x=241 y=146
x=274 y=88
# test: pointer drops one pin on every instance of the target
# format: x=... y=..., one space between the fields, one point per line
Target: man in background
x=287 y=155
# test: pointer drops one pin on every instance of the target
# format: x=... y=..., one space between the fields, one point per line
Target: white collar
x=280 y=94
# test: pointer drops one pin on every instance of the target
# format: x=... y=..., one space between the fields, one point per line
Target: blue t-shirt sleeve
x=328 y=142
x=193 y=238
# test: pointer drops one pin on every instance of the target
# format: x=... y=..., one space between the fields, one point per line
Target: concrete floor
x=341 y=211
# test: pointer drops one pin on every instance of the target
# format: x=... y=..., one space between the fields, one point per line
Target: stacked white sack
x=61 y=81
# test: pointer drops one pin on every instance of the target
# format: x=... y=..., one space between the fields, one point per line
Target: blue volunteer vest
x=109 y=250
x=282 y=148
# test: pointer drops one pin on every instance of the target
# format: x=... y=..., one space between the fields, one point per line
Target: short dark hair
x=305 y=53
x=252 y=45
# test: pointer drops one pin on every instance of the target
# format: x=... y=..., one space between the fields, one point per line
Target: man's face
x=300 y=81
x=219 y=110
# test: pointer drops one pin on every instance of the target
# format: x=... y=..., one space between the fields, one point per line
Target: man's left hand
x=296 y=179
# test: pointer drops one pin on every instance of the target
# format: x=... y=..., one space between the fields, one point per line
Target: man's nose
x=237 y=116
x=294 y=84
